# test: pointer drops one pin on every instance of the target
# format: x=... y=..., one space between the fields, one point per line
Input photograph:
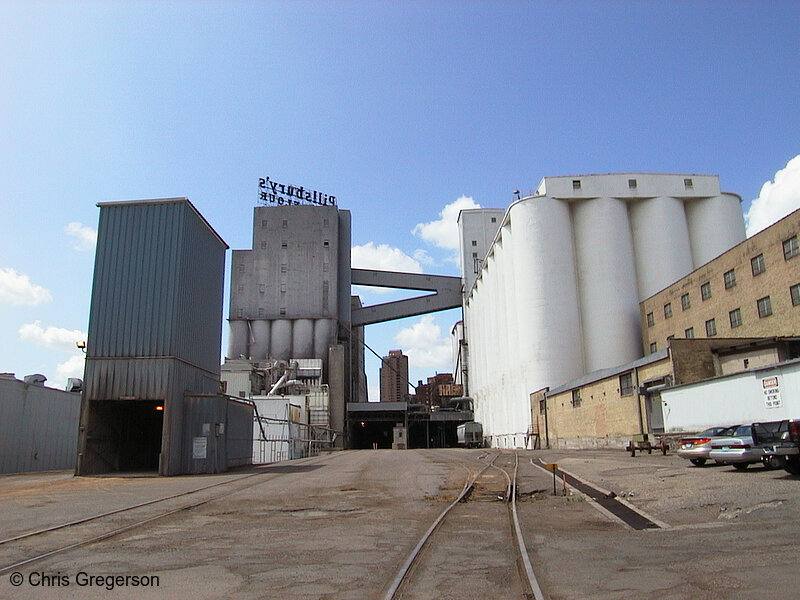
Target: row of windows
x=285 y=223
x=763 y=308
x=688 y=183
x=625 y=389
x=791 y=248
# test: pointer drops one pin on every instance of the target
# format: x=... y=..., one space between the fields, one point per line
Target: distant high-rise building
x=394 y=377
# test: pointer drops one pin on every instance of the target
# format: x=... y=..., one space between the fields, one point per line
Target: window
x=685 y=304
x=284 y=244
x=764 y=307
x=757 y=264
x=688 y=183
x=325 y=222
x=284 y=268
x=494 y=219
x=474 y=242
x=668 y=310
x=711 y=327
x=261 y=312
x=282 y=311
x=791 y=248
x=241 y=267
x=705 y=291
x=477 y=264
x=689 y=333
x=474 y=255
x=729 y=277
x=284 y=223
x=626 y=384
x=736 y=318
x=576 y=184
x=576 y=398
x=650 y=319
x=241 y=289
x=794 y=292
x=653 y=347
x=542 y=406
x=262 y=288
x=263 y=244
x=263 y=223
x=632 y=184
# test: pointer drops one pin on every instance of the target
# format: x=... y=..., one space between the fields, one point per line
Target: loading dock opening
x=370 y=424
x=125 y=435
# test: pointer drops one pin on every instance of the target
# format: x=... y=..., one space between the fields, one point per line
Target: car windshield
x=743 y=430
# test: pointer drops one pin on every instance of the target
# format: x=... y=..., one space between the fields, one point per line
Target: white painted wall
x=732 y=400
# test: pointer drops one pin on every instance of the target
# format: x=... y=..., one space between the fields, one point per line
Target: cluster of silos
x=281 y=339
x=559 y=290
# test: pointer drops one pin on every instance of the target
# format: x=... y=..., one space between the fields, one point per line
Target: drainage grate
x=628 y=515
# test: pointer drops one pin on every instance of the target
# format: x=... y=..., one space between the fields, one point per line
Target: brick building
x=607 y=407
x=394 y=377
x=752 y=290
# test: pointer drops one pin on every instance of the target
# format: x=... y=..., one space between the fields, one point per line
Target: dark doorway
x=125 y=435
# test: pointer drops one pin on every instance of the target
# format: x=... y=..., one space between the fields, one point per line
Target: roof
x=165 y=201
x=610 y=372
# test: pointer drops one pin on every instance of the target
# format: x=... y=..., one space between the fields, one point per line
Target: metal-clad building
x=154 y=333
x=38 y=427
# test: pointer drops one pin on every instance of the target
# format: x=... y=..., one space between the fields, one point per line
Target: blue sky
x=397 y=108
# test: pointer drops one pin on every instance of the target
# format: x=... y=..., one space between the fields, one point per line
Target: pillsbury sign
x=283 y=194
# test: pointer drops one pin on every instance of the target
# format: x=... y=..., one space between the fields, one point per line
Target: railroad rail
x=117 y=528
x=477 y=487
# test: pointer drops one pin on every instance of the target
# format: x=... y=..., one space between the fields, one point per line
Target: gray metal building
x=154 y=337
x=38 y=426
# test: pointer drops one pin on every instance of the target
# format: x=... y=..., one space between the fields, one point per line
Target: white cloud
x=71 y=368
x=424 y=345
x=55 y=338
x=443 y=232
x=777 y=198
x=85 y=236
x=16 y=288
x=422 y=257
x=383 y=258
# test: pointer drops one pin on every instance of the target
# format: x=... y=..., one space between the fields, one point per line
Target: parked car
x=697 y=448
x=739 y=450
x=781 y=442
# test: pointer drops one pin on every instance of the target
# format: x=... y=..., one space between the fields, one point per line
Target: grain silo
x=557 y=293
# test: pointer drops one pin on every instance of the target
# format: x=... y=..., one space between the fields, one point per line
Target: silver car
x=697 y=448
x=739 y=450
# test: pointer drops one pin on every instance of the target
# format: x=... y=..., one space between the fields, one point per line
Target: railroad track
x=21 y=549
x=482 y=518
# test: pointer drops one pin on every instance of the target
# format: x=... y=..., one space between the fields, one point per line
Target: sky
x=405 y=111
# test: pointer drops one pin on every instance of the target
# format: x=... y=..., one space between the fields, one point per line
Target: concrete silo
x=558 y=293
x=606 y=282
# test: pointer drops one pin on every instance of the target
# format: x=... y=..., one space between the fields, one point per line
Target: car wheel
x=740 y=466
x=698 y=461
x=792 y=464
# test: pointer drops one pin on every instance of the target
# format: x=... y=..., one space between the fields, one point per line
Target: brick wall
x=774 y=282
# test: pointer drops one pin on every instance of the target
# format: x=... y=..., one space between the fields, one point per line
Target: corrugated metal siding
x=157 y=292
x=232 y=448
x=38 y=427
x=157 y=284
x=239 y=438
